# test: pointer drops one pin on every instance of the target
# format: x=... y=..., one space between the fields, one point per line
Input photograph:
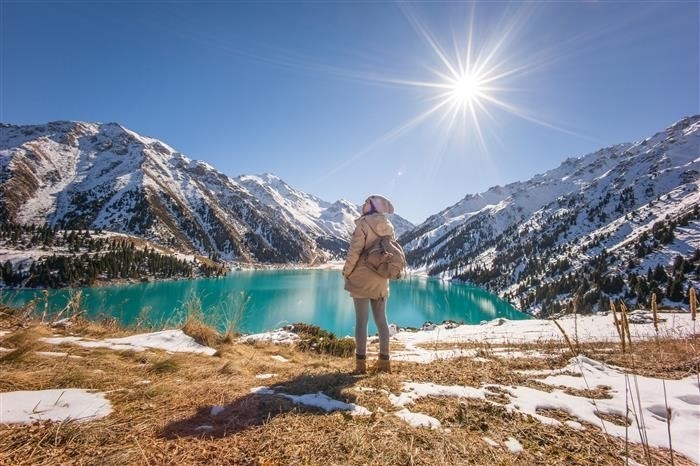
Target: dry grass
x=668 y=358
x=313 y=338
x=21 y=343
x=597 y=393
x=162 y=401
x=200 y=332
x=197 y=327
x=15 y=317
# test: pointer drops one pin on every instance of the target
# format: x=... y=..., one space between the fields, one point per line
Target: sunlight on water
x=283 y=297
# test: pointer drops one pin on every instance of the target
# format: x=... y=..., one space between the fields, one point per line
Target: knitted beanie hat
x=381 y=204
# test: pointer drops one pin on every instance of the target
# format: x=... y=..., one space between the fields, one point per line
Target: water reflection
x=282 y=297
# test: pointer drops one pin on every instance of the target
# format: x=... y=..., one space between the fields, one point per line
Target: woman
x=365 y=286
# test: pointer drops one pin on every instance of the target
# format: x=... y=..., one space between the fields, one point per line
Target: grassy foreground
x=161 y=401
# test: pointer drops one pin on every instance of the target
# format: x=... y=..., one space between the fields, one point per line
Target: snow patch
x=513 y=445
x=68 y=404
x=587 y=328
x=316 y=400
x=169 y=340
x=490 y=442
x=412 y=391
x=58 y=354
x=277 y=337
x=216 y=410
x=418 y=419
x=641 y=394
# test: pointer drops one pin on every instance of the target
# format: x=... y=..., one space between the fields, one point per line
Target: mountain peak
x=270 y=177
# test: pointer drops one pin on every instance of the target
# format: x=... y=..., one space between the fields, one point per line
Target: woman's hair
x=373 y=209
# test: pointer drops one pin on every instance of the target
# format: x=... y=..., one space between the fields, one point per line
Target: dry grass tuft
x=315 y=339
x=14 y=317
x=200 y=332
x=21 y=343
x=614 y=418
x=597 y=393
x=75 y=377
x=558 y=414
x=108 y=326
x=654 y=311
x=195 y=324
x=166 y=365
x=17 y=355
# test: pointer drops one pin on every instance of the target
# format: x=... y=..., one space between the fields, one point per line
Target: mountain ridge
x=105 y=176
x=497 y=239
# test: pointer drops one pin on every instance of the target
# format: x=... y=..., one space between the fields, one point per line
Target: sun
x=465 y=89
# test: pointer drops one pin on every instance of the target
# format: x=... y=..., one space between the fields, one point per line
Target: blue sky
x=332 y=97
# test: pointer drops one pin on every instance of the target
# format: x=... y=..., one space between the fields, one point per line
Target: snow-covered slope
x=515 y=238
x=80 y=175
x=314 y=215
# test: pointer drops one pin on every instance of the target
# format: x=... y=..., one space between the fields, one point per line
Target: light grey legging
x=361 y=319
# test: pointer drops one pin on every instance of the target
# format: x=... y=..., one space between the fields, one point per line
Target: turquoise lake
x=280 y=297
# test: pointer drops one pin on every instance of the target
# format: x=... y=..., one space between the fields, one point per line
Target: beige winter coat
x=360 y=281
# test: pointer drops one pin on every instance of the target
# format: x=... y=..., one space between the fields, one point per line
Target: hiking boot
x=383 y=364
x=360 y=364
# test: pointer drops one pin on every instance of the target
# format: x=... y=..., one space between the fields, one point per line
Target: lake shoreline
x=274 y=297
x=233 y=267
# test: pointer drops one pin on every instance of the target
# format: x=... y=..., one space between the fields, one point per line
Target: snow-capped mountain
x=103 y=176
x=316 y=216
x=401 y=225
x=605 y=209
x=319 y=218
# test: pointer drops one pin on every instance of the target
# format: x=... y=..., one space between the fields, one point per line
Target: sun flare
x=465 y=89
x=471 y=82
x=474 y=78
x=470 y=78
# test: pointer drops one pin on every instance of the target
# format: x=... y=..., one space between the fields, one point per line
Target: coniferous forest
x=605 y=276
x=84 y=257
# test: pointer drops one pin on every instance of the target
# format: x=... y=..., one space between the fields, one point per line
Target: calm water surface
x=277 y=298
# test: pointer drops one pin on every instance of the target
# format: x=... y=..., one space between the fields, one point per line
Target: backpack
x=385 y=257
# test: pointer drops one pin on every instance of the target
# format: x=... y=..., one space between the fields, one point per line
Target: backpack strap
x=379 y=239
